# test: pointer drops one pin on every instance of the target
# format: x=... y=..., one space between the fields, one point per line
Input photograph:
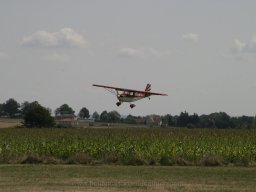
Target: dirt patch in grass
x=7 y=123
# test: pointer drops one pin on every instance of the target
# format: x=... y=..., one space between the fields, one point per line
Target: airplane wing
x=109 y=87
x=152 y=93
x=131 y=90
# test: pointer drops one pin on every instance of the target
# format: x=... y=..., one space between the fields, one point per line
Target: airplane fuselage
x=128 y=98
x=131 y=96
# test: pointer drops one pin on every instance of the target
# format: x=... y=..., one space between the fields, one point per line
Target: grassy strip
x=125 y=178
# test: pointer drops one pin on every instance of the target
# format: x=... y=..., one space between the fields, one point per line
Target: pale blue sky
x=202 y=53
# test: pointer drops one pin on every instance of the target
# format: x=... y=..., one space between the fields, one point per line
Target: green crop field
x=129 y=146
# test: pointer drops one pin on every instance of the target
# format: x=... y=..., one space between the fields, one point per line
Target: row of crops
x=135 y=146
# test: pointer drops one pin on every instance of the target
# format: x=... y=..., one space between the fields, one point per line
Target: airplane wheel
x=132 y=105
x=118 y=104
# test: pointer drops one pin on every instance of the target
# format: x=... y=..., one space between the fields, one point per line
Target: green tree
x=217 y=120
x=1 y=110
x=168 y=120
x=11 y=107
x=96 y=116
x=193 y=121
x=84 y=113
x=24 y=107
x=244 y=122
x=114 y=116
x=254 y=122
x=183 y=119
x=130 y=119
x=37 y=116
x=205 y=121
x=221 y=120
x=64 y=109
x=104 y=117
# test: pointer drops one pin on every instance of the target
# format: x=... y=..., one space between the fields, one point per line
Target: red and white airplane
x=129 y=95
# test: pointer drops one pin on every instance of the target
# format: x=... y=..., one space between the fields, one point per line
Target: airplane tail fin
x=148 y=87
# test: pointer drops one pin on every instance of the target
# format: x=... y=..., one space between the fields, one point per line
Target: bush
x=38 y=116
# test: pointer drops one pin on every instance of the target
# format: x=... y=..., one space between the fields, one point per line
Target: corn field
x=129 y=146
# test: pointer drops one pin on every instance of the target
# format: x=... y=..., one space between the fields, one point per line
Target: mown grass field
x=125 y=178
x=128 y=146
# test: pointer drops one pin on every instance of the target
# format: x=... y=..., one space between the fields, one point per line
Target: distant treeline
x=214 y=120
x=11 y=108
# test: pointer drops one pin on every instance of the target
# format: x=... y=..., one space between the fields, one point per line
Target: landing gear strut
x=118 y=103
x=132 y=105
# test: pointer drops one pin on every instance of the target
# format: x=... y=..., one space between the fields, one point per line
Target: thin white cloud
x=194 y=37
x=66 y=37
x=157 y=53
x=56 y=57
x=130 y=52
x=141 y=52
x=3 y=55
x=251 y=46
x=240 y=47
